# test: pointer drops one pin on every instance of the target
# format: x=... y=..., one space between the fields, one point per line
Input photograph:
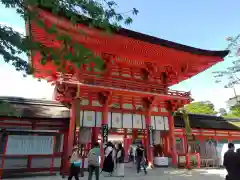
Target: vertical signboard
x=104 y=133
x=150 y=131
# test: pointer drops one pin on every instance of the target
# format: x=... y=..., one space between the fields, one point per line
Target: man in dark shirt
x=140 y=158
x=229 y=163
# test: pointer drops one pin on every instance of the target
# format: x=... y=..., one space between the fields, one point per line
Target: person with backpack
x=93 y=161
x=75 y=164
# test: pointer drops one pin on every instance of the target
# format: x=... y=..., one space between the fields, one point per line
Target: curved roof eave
x=150 y=39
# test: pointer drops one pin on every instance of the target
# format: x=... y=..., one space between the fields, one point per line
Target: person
x=134 y=147
x=75 y=164
x=229 y=162
x=140 y=159
x=93 y=161
x=114 y=156
x=108 y=164
x=238 y=161
x=120 y=161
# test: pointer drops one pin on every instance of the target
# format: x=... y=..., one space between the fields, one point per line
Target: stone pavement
x=154 y=174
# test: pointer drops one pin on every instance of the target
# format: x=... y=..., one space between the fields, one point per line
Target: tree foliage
x=14 y=45
x=234 y=112
x=202 y=107
x=230 y=76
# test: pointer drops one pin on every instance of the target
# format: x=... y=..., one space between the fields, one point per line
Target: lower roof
x=47 y=109
x=202 y=121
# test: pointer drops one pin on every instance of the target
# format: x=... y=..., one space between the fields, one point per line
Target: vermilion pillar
x=134 y=134
x=70 y=136
x=95 y=133
x=172 y=139
x=104 y=128
x=149 y=147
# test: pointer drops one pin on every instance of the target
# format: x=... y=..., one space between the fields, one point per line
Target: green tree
x=14 y=45
x=222 y=112
x=230 y=75
x=234 y=112
x=202 y=107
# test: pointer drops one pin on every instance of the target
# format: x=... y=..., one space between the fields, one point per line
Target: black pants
x=138 y=163
x=91 y=170
x=74 y=171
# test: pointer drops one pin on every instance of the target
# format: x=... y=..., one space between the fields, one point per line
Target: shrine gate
x=133 y=92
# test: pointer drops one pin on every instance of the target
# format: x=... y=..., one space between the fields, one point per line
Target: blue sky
x=203 y=24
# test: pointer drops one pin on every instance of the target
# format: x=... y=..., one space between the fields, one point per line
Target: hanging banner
x=104 y=133
x=157 y=137
x=150 y=131
x=29 y=145
x=84 y=135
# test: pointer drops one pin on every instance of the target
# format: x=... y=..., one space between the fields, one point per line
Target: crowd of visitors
x=113 y=163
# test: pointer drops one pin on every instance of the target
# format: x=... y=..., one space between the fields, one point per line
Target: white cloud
x=14 y=84
x=22 y=31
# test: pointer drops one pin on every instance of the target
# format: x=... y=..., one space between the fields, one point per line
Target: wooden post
x=149 y=145
x=104 y=128
x=95 y=133
x=70 y=136
x=64 y=162
x=172 y=139
x=134 y=134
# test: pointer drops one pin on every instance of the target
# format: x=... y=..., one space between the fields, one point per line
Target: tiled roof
x=207 y=122
x=33 y=108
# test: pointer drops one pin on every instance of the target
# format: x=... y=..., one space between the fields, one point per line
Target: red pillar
x=70 y=136
x=172 y=139
x=149 y=148
x=125 y=144
x=95 y=133
x=134 y=134
x=104 y=129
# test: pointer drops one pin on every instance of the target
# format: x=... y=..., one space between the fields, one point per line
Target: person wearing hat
x=75 y=164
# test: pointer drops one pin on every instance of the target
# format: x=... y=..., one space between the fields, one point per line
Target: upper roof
x=128 y=46
x=150 y=39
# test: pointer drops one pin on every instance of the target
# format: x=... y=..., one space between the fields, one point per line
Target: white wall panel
x=89 y=119
x=153 y=122
x=98 y=119
x=166 y=123
x=137 y=121
x=127 y=121
x=159 y=122
x=116 y=120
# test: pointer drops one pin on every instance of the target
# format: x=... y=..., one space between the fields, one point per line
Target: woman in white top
x=120 y=161
x=108 y=164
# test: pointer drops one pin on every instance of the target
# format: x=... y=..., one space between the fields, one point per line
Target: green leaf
x=128 y=21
